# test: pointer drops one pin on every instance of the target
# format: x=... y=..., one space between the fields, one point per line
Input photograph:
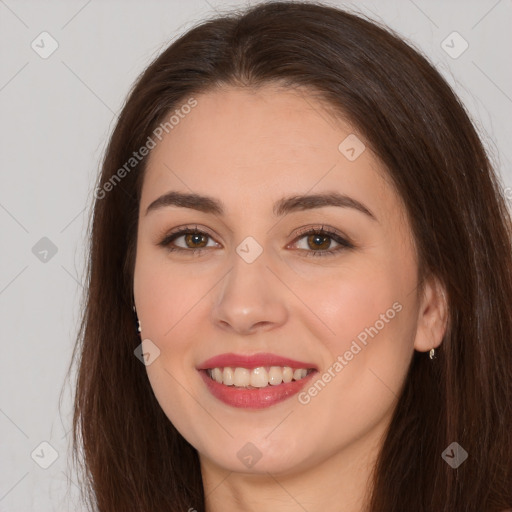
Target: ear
x=432 y=316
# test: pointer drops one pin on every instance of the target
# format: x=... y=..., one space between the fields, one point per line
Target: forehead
x=243 y=144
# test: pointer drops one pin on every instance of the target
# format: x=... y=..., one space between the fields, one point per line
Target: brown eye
x=319 y=241
x=195 y=238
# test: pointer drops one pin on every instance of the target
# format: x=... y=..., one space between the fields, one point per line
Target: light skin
x=248 y=149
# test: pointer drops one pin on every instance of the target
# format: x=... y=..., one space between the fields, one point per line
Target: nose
x=250 y=298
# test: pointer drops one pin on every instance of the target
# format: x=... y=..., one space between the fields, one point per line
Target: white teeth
x=299 y=373
x=227 y=377
x=258 y=377
x=217 y=375
x=275 y=375
x=242 y=376
x=287 y=374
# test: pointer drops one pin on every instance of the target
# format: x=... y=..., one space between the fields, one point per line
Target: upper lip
x=251 y=361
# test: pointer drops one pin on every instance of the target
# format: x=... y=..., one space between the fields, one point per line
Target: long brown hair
x=131 y=455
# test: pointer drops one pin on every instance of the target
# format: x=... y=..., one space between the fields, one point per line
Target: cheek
x=368 y=355
x=372 y=317
x=168 y=304
x=168 y=300
x=376 y=335
x=356 y=306
x=166 y=294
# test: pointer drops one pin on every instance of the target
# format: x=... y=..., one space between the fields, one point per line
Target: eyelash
x=343 y=243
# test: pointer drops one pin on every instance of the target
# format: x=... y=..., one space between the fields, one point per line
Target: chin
x=251 y=460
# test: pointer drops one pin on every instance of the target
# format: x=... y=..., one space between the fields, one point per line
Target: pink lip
x=256 y=398
x=250 y=362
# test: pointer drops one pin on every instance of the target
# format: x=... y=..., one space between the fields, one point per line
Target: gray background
x=57 y=113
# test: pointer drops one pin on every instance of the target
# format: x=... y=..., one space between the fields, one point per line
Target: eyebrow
x=281 y=207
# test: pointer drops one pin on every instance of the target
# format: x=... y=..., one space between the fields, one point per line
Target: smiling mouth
x=255 y=378
x=273 y=384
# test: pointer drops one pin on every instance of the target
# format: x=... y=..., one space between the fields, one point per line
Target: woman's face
x=343 y=303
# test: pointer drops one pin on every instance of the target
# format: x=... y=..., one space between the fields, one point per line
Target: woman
x=375 y=375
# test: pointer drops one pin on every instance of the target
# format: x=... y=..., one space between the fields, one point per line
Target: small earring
x=432 y=353
x=139 y=328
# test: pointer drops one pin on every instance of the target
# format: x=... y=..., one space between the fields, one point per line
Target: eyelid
x=166 y=237
x=321 y=228
x=342 y=240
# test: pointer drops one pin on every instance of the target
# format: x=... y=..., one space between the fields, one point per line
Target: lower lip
x=257 y=398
